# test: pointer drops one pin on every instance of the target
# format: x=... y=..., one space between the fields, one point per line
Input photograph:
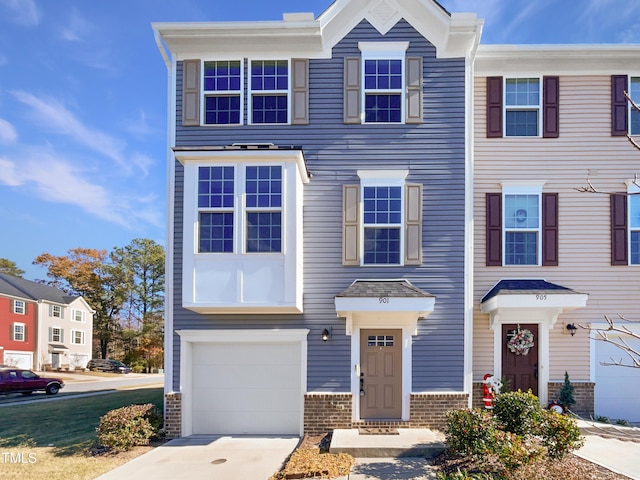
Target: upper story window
x=222 y=92
x=19 y=307
x=382 y=220
x=634 y=224
x=261 y=224
x=522 y=225
x=634 y=93
x=56 y=311
x=56 y=334
x=216 y=208
x=77 y=337
x=383 y=87
x=269 y=95
x=78 y=316
x=522 y=107
x=19 y=332
x=382 y=225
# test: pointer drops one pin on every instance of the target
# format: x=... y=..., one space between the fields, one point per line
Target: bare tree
x=619 y=326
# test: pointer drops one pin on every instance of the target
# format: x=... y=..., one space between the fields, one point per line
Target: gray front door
x=55 y=360
x=381 y=374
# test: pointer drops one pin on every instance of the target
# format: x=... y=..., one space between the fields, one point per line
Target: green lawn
x=59 y=435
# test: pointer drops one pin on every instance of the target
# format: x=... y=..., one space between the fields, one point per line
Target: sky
x=83 y=92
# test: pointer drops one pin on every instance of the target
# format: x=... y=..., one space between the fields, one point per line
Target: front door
x=381 y=374
x=55 y=360
x=519 y=363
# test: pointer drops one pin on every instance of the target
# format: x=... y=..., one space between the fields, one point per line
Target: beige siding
x=584 y=150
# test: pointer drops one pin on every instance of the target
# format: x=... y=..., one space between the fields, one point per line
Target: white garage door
x=243 y=388
x=617 y=388
x=18 y=359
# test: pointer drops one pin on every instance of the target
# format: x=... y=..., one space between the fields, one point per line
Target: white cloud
x=3 y=60
x=8 y=173
x=8 y=134
x=142 y=161
x=138 y=126
x=77 y=27
x=23 y=12
x=51 y=114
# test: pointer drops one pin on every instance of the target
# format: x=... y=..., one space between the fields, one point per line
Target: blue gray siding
x=433 y=152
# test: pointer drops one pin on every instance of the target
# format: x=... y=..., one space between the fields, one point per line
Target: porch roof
x=383 y=288
x=526 y=286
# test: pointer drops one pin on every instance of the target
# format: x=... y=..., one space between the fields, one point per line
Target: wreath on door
x=521 y=341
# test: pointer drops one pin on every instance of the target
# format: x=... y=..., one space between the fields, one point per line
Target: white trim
x=189 y=337
x=383 y=178
x=383 y=50
x=24 y=336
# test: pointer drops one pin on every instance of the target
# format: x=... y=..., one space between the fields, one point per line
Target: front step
x=408 y=442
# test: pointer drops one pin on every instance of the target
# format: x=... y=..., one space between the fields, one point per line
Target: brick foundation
x=325 y=412
x=173 y=414
x=583 y=393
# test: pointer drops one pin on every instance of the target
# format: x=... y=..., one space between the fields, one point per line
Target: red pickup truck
x=17 y=380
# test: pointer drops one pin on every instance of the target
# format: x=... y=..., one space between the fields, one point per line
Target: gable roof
x=383 y=288
x=19 y=287
x=525 y=286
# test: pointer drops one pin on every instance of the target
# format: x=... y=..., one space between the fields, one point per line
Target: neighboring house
x=18 y=325
x=319 y=187
x=548 y=256
x=60 y=332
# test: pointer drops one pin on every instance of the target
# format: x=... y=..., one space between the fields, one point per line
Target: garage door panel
x=18 y=359
x=617 y=388
x=246 y=388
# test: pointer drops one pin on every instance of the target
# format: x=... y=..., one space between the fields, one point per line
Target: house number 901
x=383 y=299
x=541 y=297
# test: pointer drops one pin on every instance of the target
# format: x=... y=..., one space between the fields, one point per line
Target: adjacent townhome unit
x=319 y=183
x=549 y=258
x=43 y=327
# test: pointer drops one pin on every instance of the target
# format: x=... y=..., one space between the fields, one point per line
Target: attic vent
x=253 y=146
x=384 y=12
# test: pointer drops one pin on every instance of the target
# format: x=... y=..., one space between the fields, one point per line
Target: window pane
x=521 y=211
x=383 y=74
x=264 y=232
x=223 y=76
x=521 y=248
x=270 y=75
x=522 y=91
x=215 y=187
x=264 y=187
x=522 y=123
x=634 y=250
x=634 y=93
x=634 y=211
x=382 y=108
x=222 y=110
x=269 y=109
x=382 y=246
x=382 y=205
x=216 y=233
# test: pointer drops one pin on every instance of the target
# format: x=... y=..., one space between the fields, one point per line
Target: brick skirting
x=173 y=414
x=325 y=412
x=583 y=393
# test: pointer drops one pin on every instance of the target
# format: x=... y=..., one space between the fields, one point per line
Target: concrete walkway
x=209 y=456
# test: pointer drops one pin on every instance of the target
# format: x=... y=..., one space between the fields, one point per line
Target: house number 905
x=383 y=299
x=541 y=297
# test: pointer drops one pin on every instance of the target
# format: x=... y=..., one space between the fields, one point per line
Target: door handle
x=362 y=384
x=535 y=370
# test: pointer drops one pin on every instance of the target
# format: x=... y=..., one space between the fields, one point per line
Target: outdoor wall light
x=326 y=335
x=572 y=328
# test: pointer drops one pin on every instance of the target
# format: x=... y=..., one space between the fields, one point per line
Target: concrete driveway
x=210 y=456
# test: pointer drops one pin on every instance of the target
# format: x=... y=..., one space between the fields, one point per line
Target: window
x=217 y=187
x=216 y=206
x=55 y=334
x=264 y=208
x=222 y=92
x=19 y=307
x=77 y=337
x=521 y=229
x=634 y=93
x=528 y=107
x=78 y=316
x=382 y=220
x=522 y=225
x=269 y=91
x=383 y=85
x=18 y=332
x=56 y=311
x=382 y=225
x=522 y=107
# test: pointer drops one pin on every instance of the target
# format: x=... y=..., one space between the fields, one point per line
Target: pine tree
x=566 y=393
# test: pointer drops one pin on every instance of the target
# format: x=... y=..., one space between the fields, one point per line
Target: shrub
x=470 y=432
x=518 y=412
x=560 y=434
x=515 y=451
x=566 y=393
x=126 y=427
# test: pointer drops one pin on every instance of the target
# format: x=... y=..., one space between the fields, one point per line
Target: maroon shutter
x=494 y=107
x=550 y=229
x=550 y=107
x=494 y=229
x=619 y=109
x=619 y=250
